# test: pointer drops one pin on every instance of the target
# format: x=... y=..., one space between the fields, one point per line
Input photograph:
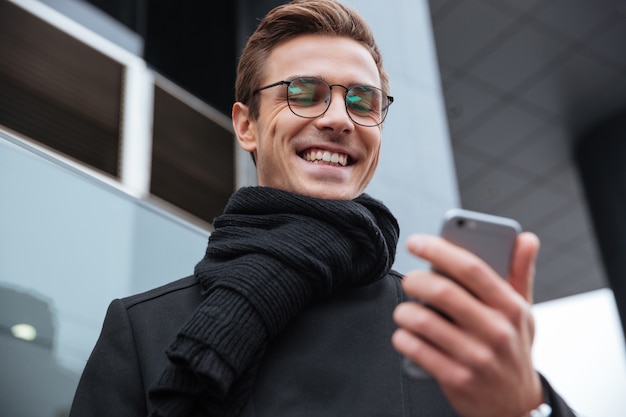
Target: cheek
x=374 y=144
x=373 y=166
x=374 y=156
x=279 y=124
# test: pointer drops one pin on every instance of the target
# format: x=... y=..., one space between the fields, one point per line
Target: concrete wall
x=416 y=177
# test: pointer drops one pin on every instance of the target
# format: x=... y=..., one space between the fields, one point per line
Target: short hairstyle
x=299 y=17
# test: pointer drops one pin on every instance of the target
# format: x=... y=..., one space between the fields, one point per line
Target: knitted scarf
x=272 y=252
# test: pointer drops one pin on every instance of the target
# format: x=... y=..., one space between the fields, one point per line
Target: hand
x=480 y=353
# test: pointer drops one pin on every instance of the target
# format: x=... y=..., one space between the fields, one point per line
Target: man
x=290 y=313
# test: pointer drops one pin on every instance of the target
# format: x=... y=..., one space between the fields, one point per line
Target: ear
x=245 y=128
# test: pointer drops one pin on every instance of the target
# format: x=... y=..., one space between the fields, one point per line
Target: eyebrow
x=321 y=77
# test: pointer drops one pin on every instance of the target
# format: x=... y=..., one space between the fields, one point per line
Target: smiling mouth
x=318 y=156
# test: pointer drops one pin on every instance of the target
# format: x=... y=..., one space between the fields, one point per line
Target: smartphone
x=490 y=237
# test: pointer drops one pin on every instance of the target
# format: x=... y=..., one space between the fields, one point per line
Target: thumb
x=522 y=273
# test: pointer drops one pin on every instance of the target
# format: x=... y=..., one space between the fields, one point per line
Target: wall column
x=601 y=159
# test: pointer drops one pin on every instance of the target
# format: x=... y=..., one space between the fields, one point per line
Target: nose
x=336 y=115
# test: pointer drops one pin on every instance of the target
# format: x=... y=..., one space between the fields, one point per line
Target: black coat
x=334 y=359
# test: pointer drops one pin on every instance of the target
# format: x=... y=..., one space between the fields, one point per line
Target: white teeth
x=326 y=156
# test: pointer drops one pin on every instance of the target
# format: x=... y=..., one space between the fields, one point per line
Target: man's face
x=287 y=147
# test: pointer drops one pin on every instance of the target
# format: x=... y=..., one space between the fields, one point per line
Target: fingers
x=430 y=359
x=475 y=285
x=471 y=272
x=463 y=312
x=441 y=345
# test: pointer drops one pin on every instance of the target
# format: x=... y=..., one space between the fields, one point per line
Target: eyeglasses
x=309 y=97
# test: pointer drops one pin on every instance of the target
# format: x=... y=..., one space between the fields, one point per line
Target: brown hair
x=299 y=17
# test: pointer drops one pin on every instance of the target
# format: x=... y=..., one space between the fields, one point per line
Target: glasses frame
x=385 y=110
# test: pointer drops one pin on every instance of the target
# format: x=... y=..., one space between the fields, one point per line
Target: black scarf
x=271 y=253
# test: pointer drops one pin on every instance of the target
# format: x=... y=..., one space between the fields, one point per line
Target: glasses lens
x=367 y=105
x=308 y=97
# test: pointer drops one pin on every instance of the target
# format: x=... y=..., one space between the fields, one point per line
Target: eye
x=357 y=103
x=363 y=99
x=297 y=95
x=306 y=92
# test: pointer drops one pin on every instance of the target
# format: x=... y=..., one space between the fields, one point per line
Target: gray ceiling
x=521 y=81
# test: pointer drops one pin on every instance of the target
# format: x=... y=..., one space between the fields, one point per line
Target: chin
x=330 y=193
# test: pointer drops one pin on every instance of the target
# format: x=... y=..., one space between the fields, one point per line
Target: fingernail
x=415 y=242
